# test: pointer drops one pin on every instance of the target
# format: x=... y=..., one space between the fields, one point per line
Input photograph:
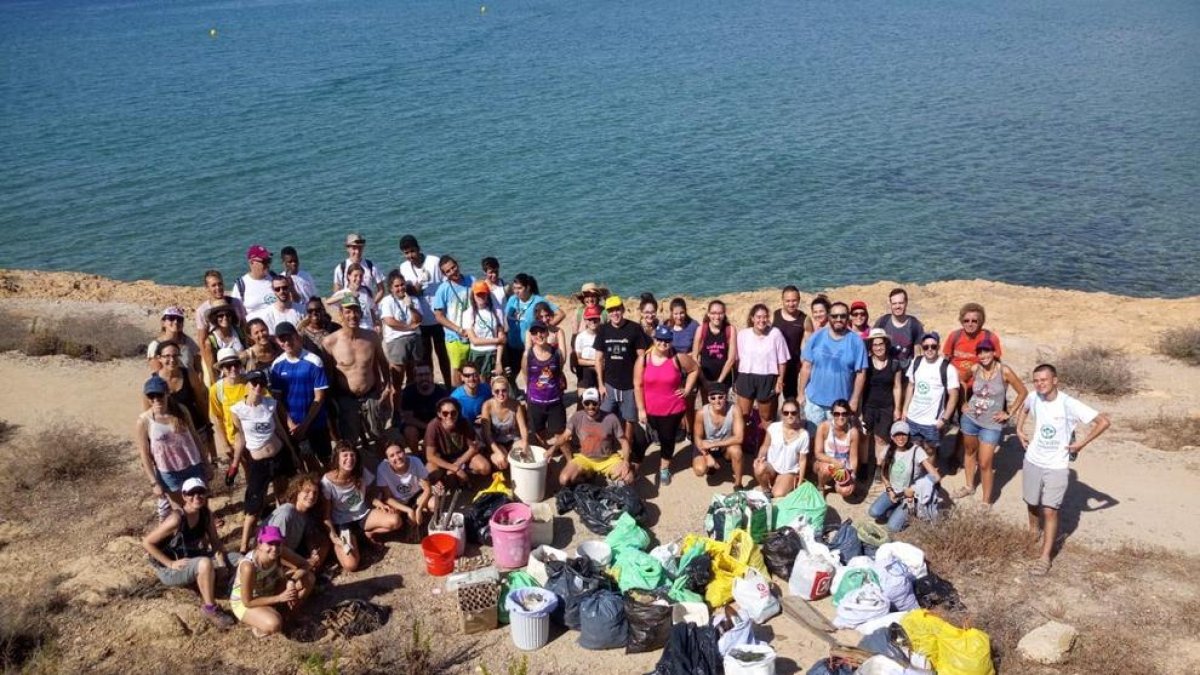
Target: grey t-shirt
x=903 y=338
x=906 y=467
x=292 y=525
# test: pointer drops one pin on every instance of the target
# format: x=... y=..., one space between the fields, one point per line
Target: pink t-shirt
x=659 y=386
x=761 y=354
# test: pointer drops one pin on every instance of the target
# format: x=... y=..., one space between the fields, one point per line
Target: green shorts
x=458 y=352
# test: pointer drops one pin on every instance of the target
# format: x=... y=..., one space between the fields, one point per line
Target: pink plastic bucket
x=512 y=535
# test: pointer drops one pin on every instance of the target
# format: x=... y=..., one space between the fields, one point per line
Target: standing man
x=833 y=367
x=452 y=300
x=619 y=344
x=423 y=274
x=303 y=285
x=299 y=382
x=932 y=393
x=282 y=309
x=903 y=330
x=254 y=287
x=372 y=278
x=1049 y=452
x=362 y=386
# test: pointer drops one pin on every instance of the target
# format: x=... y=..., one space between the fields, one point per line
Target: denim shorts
x=814 y=414
x=986 y=436
x=172 y=481
x=933 y=437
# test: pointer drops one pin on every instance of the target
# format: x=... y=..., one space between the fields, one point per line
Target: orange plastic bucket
x=439 y=550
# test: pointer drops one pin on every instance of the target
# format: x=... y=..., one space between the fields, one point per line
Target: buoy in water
x=483 y=9
x=212 y=32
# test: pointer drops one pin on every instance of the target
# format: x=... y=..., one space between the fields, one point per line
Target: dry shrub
x=26 y=628
x=1169 y=432
x=93 y=337
x=968 y=538
x=6 y=431
x=1096 y=369
x=63 y=454
x=410 y=649
x=1181 y=343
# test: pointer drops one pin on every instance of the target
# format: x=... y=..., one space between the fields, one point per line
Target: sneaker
x=230 y=475
x=664 y=477
x=216 y=617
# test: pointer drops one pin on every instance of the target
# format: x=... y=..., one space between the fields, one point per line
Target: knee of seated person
x=205 y=566
x=351 y=564
x=272 y=624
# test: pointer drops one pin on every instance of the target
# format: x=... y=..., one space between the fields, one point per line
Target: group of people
x=343 y=434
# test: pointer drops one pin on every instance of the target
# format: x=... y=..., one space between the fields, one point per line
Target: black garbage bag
x=602 y=623
x=891 y=641
x=780 y=549
x=832 y=665
x=690 y=650
x=599 y=506
x=844 y=539
x=934 y=591
x=649 y=617
x=477 y=517
x=570 y=581
x=699 y=573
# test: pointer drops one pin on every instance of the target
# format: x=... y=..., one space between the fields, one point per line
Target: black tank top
x=186 y=399
x=793 y=332
x=714 y=350
x=189 y=542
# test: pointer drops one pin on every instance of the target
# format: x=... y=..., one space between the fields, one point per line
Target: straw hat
x=591 y=289
x=217 y=306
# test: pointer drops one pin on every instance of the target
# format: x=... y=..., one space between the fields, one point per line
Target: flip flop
x=963 y=492
x=1040 y=568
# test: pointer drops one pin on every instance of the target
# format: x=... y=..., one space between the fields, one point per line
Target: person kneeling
x=403 y=484
x=903 y=465
x=263 y=587
x=599 y=434
x=782 y=460
x=718 y=430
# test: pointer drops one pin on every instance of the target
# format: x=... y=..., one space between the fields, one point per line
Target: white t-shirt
x=585 y=345
x=258 y=422
x=272 y=317
x=429 y=276
x=402 y=488
x=906 y=467
x=372 y=276
x=485 y=324
x=366 y=301
x=304 y=286
x=927 y=404
x=348 y=503
x=401 y=310
x=258 y=295
x=1053 y=423
x=499 y=297
x=784 y=456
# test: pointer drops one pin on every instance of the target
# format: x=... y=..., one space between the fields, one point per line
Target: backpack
x=945 y=367
x=368 y=272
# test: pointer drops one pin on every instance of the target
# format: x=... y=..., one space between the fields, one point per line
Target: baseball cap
x=256 y=376
x=613 y=302
x=900 y=427
x=155 y=385
x=664 y=333
x=985 y=345
x=858 y=304
x=269 y=534
x=590 y=394
x=408 y=241
x=226 y=355
x=932 y=334
x=355 y=239
x=539 y=327
x=718 y=388
x=193 y=484
x=592 y=312
x=349 y=300
x=258 y=252
x=480 y=288
x=877 y=333
x=284 y=328
x=173 y=311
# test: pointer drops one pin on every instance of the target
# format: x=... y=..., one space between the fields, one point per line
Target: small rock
x=1049 y=643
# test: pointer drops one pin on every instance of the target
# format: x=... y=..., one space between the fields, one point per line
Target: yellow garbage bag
x=498 y=486
x=742 y=548
x=951 y=650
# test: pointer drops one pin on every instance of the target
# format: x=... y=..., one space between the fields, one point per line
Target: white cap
x=590 y=394
x=193 y=484
x=227 y=354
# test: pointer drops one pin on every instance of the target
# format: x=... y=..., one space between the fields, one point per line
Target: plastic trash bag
x=934 y=591
x=680 y=591
x=570 y=581
x=872 y=535
x=634 y=569
x=832 y=665
x=667 y=555
x=804 y=503
x=698 y=571
x=741 y=547
x=891 y=642
x=649 y=618
x=602 y=623
x=951 y=650
x=883 y=665
x=514 y=581
x=725 y=569
x=779 y=551
x=753 y=595
x=760 y=515
x=844 y=540
x=598 y=506
x=811 y=577
x=690 y=650
x=857 y=572
x=477 y=517
x=861 y=605
x=725 y=514
x=734 y=629
x=538 y=558
x=897 y=585
x=912 y=557
x=498 y=486
x=530 y=601
x=626 y=534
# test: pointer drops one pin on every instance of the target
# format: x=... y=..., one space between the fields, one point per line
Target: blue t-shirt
x=471 y=405
x=295 y=383
x=834 y=363
x=518 y=315
x=681 y=338
x=454 y=300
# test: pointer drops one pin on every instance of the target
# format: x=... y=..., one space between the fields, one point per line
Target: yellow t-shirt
x=221 y=398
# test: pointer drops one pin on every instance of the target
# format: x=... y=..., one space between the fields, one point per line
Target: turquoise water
x=702 y=146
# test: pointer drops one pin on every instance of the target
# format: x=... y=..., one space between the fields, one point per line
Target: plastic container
x=750 y=660
x=538 y=558
x=543 y=524
x=483 y=574
x=511 y=542
x=529 y=478
x=440 y=551
x=457 y=530
x=529 y=616
x=597 y=551
x=695 y=613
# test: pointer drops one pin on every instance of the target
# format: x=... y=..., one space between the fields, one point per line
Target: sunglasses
x=222 y=315
x=501 y=390
x=280 y=289
x=196 y=493
x=839 y=315
x=930 y=346
x=154 y=397
x=838 y=413
x=590 y=404
x=789 y=413
x=970 y=321
x=665 y=341
x=858 y=312
x=173 y=319
x=472 y=375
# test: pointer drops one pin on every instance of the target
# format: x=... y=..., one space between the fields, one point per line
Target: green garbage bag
x=518 y=579
x=851 y=579
x=726 y=513
x=634 y=569
x=627 y=534
x=806 y=502
x=758 y=510
x=679 y=591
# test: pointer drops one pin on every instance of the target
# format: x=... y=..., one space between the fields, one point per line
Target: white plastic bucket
x=764 y=665
x=529 y=478
x=457 y=530
x=529 y=632
x=595 y=550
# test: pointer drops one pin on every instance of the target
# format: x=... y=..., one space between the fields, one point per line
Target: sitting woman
x=403 y=484
x=503 y=422
x=182 y=548
x=904 y=464
x=782 y=460
x=452 y=448
x=836 y=450
x=265 y=584
x=298 y=519
x=168 y=446
x=349 y=515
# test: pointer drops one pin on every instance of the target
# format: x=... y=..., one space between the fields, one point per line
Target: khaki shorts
x=1043 y=487
x=590 y=465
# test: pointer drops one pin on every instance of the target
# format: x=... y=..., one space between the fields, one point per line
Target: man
x=452 y=300
x=491 y=274
x=599 y=434
x=299 y=381
x=418 y=404
x=222 y=396
x=619 y=344
x=282 y=309
x=254 y=287
x=472 y=394
x=903 y=330
x=214 y=284
x=719 y=429
x=423 y=274
x=362 y=388
x=373 y=278
x=1049 y=452
x=833 y=366
x=303 y=285
x=316 y=325
x=932 y=393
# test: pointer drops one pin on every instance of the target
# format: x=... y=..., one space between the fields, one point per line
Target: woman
x=403 y=483
x=519 y=317
x=883 y=396
x=793 y=323
x=545 y=383
x=836 y=450
x=400 y=323
x=225 y=333
x=503 y=420
x=762 y=360
x=818 y=313
x=348 y=491
x=960 y=346
x=168 y=446
x=860 y=319
x=259 y=441
x=555 y=337
x=263 y=350
x=299 y=521
x=583 y=351
x=589 y=295
x=984 y=414
x=716 y=346
x=452 y=448
x=172 y=330
x=263 y=582
x=663 y=383
x=187 y=390
x=648 y=310
x=782 y=459
x=683 y=339
x=485 y=330
x=903 y=464
x=355 y=287
x=182 y=548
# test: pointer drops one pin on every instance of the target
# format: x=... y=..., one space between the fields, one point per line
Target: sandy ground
x=1124 y=491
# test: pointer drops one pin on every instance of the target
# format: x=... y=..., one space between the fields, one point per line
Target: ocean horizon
x=698 y=148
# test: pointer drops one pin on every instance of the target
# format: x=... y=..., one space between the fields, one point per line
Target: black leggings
x=666 y=427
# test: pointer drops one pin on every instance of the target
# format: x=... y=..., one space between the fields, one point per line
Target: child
x=404 y=483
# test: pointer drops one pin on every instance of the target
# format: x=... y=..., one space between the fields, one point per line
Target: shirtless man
x=358 y=369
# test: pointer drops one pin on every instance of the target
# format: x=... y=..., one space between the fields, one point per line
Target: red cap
x=592 y=312
x=858 y=304
x=258 y=252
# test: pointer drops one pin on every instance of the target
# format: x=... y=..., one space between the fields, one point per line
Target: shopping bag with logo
x=753 y=594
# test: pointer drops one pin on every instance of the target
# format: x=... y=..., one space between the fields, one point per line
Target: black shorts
x=551 y=417
x=585 y=377
x=758 y=388
x=317 y=444
x=878 y=421
x=260 y=473
x=791 y=379
x=435 y=333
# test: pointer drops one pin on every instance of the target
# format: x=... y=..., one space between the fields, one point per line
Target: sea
x=698 y=146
